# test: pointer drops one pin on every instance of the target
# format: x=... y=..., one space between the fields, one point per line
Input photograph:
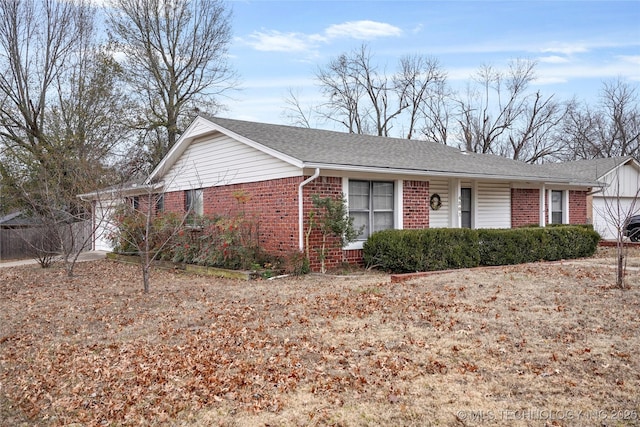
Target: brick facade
x=275 y=203
x=415 y=199
x=326 y=187
x=578 y=207
x=525 y=207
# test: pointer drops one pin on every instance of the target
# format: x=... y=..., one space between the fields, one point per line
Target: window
x=371 y=206
x=194 y=201
x=135 y=202
x=159 y=203
x=557 y=213
x=465 y=207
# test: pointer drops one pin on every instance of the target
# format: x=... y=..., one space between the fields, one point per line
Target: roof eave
x=426 y=172
x=112 y=193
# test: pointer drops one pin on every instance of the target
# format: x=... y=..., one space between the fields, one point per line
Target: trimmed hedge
x=403 y=251
x=432 y=249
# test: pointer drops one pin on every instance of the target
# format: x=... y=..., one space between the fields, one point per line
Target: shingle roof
x=589 y=169
x=316 y=147
x=17 y=219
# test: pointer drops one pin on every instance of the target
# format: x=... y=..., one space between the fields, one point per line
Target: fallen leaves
x=96 y=350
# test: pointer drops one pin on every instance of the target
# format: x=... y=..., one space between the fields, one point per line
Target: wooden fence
x=25 y=242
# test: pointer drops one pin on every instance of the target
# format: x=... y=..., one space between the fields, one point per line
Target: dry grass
x=538 y=344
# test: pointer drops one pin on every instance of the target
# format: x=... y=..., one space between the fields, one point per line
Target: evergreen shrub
x=402 y=251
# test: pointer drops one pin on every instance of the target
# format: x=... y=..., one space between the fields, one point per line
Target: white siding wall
x=220 y=160
x=610 y=213
x=104 y=224
x=493 y=204
x=623 y=182
x=439 y=218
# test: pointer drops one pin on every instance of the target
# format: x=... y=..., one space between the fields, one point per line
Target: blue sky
x=279 y=45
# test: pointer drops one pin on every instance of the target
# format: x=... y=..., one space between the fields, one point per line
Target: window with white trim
x=557 y=207
x=194 y=201
x=371 y=205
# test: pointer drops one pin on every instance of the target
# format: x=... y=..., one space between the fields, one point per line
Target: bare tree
x=59 y=114
x=37 y=41
x=366 y=100
x=295 y=112
x=420 y=83
x=176 y=58
x=611 y=128
x=436 y=112
x=64 y=221
x=500 y=116
x=344 y=95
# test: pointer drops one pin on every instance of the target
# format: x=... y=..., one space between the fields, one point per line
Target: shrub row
x=402 y=251
x=212 y=241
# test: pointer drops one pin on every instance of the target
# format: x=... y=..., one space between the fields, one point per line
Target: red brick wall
x=525 y=207
x=577 y=207
x=326 y=187
x=415 y=200
x=174 y=201
x=275 y=204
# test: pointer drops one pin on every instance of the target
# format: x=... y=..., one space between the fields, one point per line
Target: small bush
x=296 y=263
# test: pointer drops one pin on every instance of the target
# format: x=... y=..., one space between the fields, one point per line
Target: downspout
x=301 y=208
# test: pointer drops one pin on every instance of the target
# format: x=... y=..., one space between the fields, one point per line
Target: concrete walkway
x=84 y=256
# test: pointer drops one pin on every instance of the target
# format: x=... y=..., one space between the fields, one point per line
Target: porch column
x=455 y=209
x=543 y=204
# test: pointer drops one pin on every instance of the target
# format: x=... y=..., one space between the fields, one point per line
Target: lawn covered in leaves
x=537 y=344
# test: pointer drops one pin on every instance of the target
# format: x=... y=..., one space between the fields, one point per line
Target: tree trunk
x=620 y=267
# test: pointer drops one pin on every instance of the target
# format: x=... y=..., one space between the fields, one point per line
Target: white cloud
x=565 y=48
x=553 y=59
x=631 y=59
x=275 y=41
x=362 y=30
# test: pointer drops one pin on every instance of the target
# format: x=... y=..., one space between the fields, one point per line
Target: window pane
x=198 y=202
x=556 y=207
x=382 y=221
x=465 y=219
x=359 y=195
x=160 y=203
x=465 y=199
x=361 y=219
x=382 y=196
x=556 y=201
x=187 y=200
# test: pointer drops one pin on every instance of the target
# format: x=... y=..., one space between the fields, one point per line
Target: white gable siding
x=439 y=218
x=201 y=127
x=623 y=182
x=220 y=160
x=494 y=205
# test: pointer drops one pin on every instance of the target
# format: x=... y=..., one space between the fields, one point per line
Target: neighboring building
x=617 y=198
x=388 y=182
